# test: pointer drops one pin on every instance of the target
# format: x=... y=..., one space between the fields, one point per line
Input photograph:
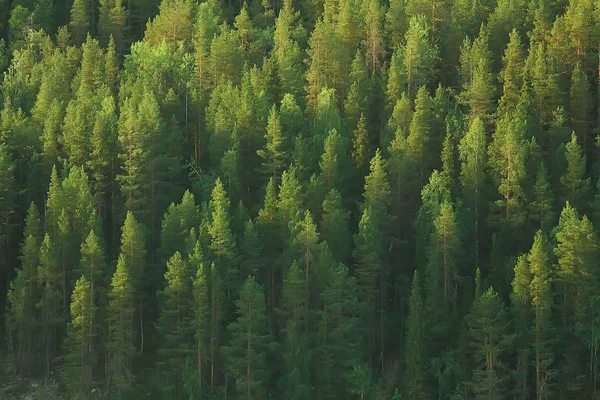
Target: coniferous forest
x=300 y=199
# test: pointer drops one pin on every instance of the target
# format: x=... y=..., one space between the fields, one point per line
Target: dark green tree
x=174 y=325
x=81 y=352
x=414 y=376
x=246 y=354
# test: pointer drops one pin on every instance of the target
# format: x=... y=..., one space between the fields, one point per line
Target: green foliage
x=420 y=55
x=174 y=324
x=246 y=355
x=81 y=352
x=175 y=149
x=120 y=326
x=488 y=328
x=415 y=360
x=574 y=186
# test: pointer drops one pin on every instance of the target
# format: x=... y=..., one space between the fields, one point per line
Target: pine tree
x=329 y=62
x=226 y=58
x=575 y=187
x=374 y=47
x=8 y=197
x=288 y=31
x=201 y=310
x=575 y=250
x=396 y=82
x=414 y=373
x=420 y=55
x=396 y=23
x=79 y=345
x=542 y=329
x=246 y=354
x=22 y=297
x=580 y=102
x=296 y=353
x=450 y=155
x=477 y=79
x=370 y=268
x=340 y=346
x=520 y=301
x=139 y=279
x=421 y=140
x=274 y=152
x=217 y=305
x=361 y=145
x=49 y=277
x=545 y=79
x=360 y=94
x=488 y=328
x=251 y=249
x=79 y=23
x=541 y=208
x=223 y=243
x=443 y=260
x=120 y=327
x=511 y=75
x=92 y=265
x=102 y=160
x=289 y=204
x=333 y=162
x=173 y=24
x=377 y=190
x=174 y=325
x=507 y=154
x=335 y=226
x=472 y=150
x=177 y=224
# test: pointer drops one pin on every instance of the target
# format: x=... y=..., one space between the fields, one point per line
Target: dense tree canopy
x=311 y=199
